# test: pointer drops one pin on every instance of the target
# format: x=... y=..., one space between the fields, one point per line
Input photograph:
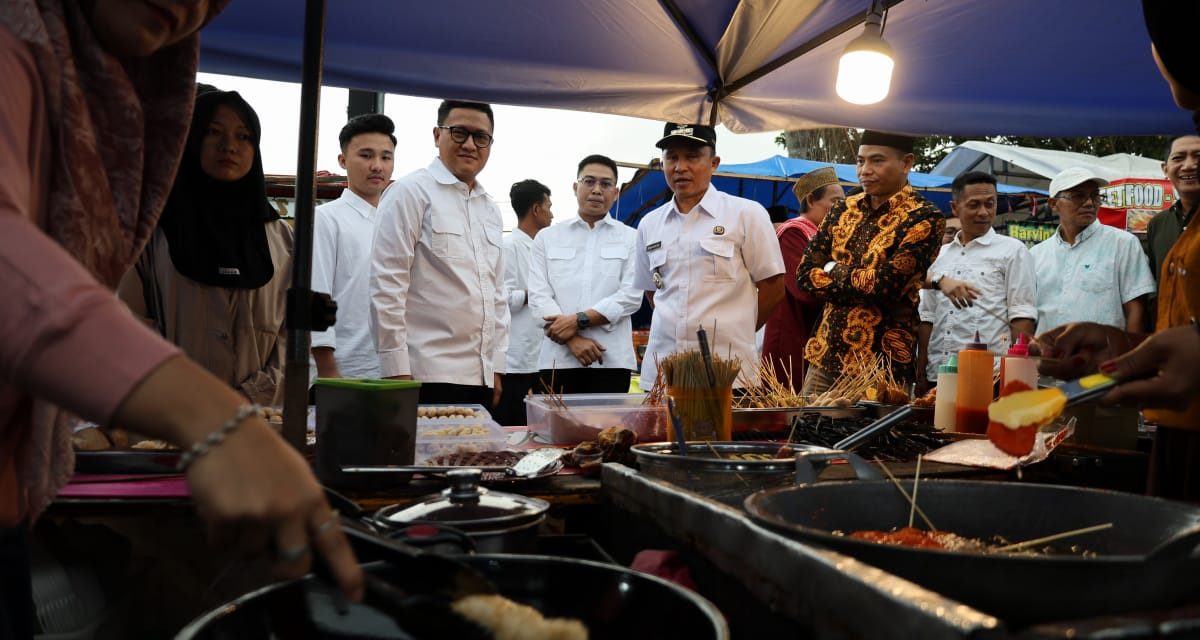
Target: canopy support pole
x=717 y=91
x=299 y=319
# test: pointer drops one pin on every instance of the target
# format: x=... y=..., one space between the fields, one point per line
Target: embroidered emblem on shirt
x=718 y=230
x=654 y=245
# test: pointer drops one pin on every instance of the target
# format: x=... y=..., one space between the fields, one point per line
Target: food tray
x=586 y=414
x=449 y=437
x=780 y=419
x=481 y=414
x=123 y=461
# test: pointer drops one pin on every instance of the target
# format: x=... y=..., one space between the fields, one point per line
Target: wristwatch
x=582 y=320
x=829 y=266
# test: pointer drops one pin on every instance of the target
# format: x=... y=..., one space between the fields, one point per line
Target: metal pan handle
x=807 y=461
x=1178 y=548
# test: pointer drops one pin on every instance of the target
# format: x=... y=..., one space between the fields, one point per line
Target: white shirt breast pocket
x=447 y=239
x=560 y=261
x=611 y=257
x=719 y=254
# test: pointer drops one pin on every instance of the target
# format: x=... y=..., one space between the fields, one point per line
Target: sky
x=543 y=144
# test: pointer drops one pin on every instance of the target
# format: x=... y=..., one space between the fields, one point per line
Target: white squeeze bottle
x=944 y=407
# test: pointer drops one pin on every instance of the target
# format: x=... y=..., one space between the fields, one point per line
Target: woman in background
x=215 y=274
x=794 y=319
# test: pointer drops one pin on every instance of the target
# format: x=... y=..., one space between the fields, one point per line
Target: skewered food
x=926 y=401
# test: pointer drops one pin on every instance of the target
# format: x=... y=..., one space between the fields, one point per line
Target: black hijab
x=216 y=230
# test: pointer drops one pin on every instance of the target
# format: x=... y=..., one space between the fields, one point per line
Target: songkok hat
x=813 y=180
x=694 y=133
x=893 y=140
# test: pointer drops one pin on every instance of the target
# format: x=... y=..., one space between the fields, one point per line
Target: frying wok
x=1146 y=560
x=613 y=602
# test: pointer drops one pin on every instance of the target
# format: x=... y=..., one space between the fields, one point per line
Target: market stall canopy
x=1026 y=165
x=769 y=182
x=1021 y=67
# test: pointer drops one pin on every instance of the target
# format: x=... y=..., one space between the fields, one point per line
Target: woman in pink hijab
x=97 y=105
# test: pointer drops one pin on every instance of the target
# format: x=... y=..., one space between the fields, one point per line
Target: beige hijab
x=117 y=129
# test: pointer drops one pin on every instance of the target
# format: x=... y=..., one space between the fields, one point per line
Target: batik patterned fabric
x=871 y=293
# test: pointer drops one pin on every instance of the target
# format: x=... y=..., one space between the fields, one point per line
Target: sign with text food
x=1129 y=203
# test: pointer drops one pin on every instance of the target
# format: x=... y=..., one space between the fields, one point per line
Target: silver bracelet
x=216 y=437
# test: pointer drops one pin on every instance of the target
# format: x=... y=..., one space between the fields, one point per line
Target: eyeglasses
x=591 y=183
x=1079 y=199
x=482 y=139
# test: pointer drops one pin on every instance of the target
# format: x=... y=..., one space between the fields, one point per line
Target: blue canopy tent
x=769 y=182
x=983 y=67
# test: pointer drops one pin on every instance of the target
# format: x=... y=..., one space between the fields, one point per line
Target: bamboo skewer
x=1058 y=536
x=904 y=493
x=916 y=479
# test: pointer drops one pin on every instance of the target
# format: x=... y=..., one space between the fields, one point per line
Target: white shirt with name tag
x=702 y=267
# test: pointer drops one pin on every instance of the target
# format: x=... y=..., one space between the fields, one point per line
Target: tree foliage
x=840 y=145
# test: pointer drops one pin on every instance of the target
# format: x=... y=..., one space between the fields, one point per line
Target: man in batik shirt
x=868 y=262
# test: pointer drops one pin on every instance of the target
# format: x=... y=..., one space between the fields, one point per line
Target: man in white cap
x=1088 y=271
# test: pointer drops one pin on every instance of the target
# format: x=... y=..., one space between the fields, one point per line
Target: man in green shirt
x=1182 y=168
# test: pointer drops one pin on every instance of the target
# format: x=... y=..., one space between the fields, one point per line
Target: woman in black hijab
x=214 y=277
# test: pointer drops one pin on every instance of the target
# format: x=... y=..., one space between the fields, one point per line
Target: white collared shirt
x=708 y=261
x=525 y=332
x=577 y=267
x=1089 y=280
x=1002 y=269
x=341 y=266
x=438 y=309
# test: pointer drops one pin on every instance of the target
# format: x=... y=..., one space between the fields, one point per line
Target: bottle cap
x=951 y=365
x=977 y=345
x=1020 y=348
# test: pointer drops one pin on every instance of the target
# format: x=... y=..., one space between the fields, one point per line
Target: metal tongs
x=420 y=586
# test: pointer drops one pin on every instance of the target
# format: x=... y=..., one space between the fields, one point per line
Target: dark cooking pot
x=1145 y=560
x=613 y=602
x=496 y=522
x=727 y=471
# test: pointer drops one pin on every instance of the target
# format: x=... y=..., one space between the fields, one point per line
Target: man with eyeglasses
x=1088 y=271
x=705 y=258
x=581 y=287
x=438 y=307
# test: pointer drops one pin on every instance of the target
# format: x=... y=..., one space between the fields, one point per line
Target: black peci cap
x=694 y=133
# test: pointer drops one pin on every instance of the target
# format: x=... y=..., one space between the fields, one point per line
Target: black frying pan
x=1146 y=559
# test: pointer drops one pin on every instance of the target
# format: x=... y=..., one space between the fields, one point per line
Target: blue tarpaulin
x=964 y=67
x=769 y=182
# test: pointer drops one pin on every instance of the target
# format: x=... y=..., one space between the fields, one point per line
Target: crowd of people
x=122 y=175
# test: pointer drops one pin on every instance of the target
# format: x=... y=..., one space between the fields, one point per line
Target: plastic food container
x=587 y=413
x=364 y=423
x=445 y=436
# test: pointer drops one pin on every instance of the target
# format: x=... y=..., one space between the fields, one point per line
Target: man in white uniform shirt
x=581 y=286
x=531 y=201
x=342 y=235
x=1088 y=271
x=705 y=258
x=996 y=273
x=438 y=308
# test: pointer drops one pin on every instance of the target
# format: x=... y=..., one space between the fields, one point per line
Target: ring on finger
x=291 y=554
x=327 y=525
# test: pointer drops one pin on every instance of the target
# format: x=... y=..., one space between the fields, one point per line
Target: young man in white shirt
x=438 y=309
x=342 y=235
x=581 y=287
x=531 y=201
x=1088 y=271
x=998 y=271
x=705 y=258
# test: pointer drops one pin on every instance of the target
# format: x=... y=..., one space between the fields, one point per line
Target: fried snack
x=118 y=437
x=152 y=445
x=90 y=439
x=616 y=444
x=926 y=401
x=508 y=620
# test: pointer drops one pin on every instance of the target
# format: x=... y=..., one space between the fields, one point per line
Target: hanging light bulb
x=865 y=69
